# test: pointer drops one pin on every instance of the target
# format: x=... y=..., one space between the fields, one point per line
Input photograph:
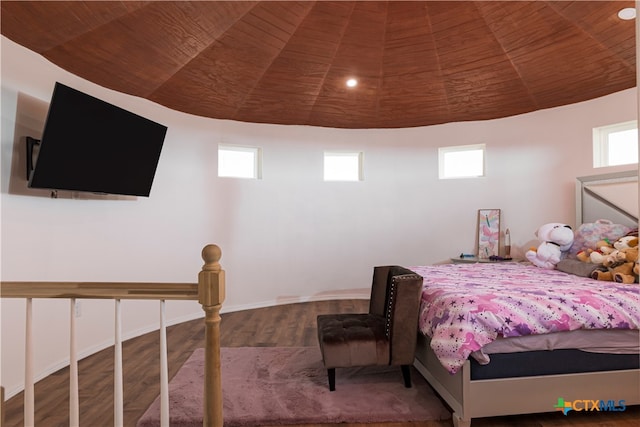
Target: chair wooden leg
x=406 y=375
x=332 y=378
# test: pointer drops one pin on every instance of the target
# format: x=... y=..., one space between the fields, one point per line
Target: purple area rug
x=288 y=385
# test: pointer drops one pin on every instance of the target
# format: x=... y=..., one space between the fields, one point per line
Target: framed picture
x=488 y=233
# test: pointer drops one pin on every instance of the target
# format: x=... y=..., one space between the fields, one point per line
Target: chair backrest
x=395 y=294
x=379 y=286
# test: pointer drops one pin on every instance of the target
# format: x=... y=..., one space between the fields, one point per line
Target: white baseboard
x=364 y=293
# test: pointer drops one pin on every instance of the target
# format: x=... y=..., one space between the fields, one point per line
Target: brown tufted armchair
x=384 y=336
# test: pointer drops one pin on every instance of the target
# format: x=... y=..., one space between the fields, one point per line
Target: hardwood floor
x=287 y=325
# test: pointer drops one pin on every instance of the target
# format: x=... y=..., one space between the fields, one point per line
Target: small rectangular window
x=615 y=145
x=462 y=161
x=239 y=162
x=342 y=166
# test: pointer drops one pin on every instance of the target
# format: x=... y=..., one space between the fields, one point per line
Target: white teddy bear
x=556 y=238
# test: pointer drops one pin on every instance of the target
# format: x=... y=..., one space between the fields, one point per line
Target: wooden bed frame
x=511 y=396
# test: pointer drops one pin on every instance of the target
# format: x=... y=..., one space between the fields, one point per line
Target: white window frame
x=354 y=175
x=255 y=173
x=442 y=160
x=601 y=143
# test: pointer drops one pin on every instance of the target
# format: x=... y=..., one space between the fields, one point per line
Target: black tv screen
x=90 y=145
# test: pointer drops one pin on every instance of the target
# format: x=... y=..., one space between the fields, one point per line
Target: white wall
x=287 y=237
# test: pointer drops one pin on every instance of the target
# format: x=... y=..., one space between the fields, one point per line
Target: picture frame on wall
x=488 y=233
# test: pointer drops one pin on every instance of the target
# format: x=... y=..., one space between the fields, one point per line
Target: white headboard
x=612 y=196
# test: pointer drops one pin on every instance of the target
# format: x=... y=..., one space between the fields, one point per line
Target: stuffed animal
x=632 y=257
x=604 y=247
x=629 y=246
x=596 y=256
x=618 y=266
x=636 y=271
x=556 y=239
x=584 y=255
x=636 y=265
x=626 y=242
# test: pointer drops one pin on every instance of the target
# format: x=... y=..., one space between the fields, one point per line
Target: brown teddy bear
x=632 y=257
x=618 y=266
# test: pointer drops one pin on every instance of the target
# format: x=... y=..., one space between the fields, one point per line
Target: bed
x=520 y=339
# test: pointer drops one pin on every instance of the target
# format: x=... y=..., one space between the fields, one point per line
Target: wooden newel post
x=211 y=294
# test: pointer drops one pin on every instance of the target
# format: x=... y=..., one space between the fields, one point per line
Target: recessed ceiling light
x=627 y=13
x=352 y=83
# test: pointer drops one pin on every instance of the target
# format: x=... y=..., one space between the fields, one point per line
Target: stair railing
x=209 y=292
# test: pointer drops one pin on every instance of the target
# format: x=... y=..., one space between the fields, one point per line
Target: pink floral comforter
x=466 y=306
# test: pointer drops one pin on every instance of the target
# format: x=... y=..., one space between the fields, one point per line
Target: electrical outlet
x=78 y=309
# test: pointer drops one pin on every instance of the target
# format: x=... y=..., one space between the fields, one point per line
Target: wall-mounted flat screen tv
x=92 y=146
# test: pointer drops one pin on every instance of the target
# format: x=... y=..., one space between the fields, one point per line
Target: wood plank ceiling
x=417 y=63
